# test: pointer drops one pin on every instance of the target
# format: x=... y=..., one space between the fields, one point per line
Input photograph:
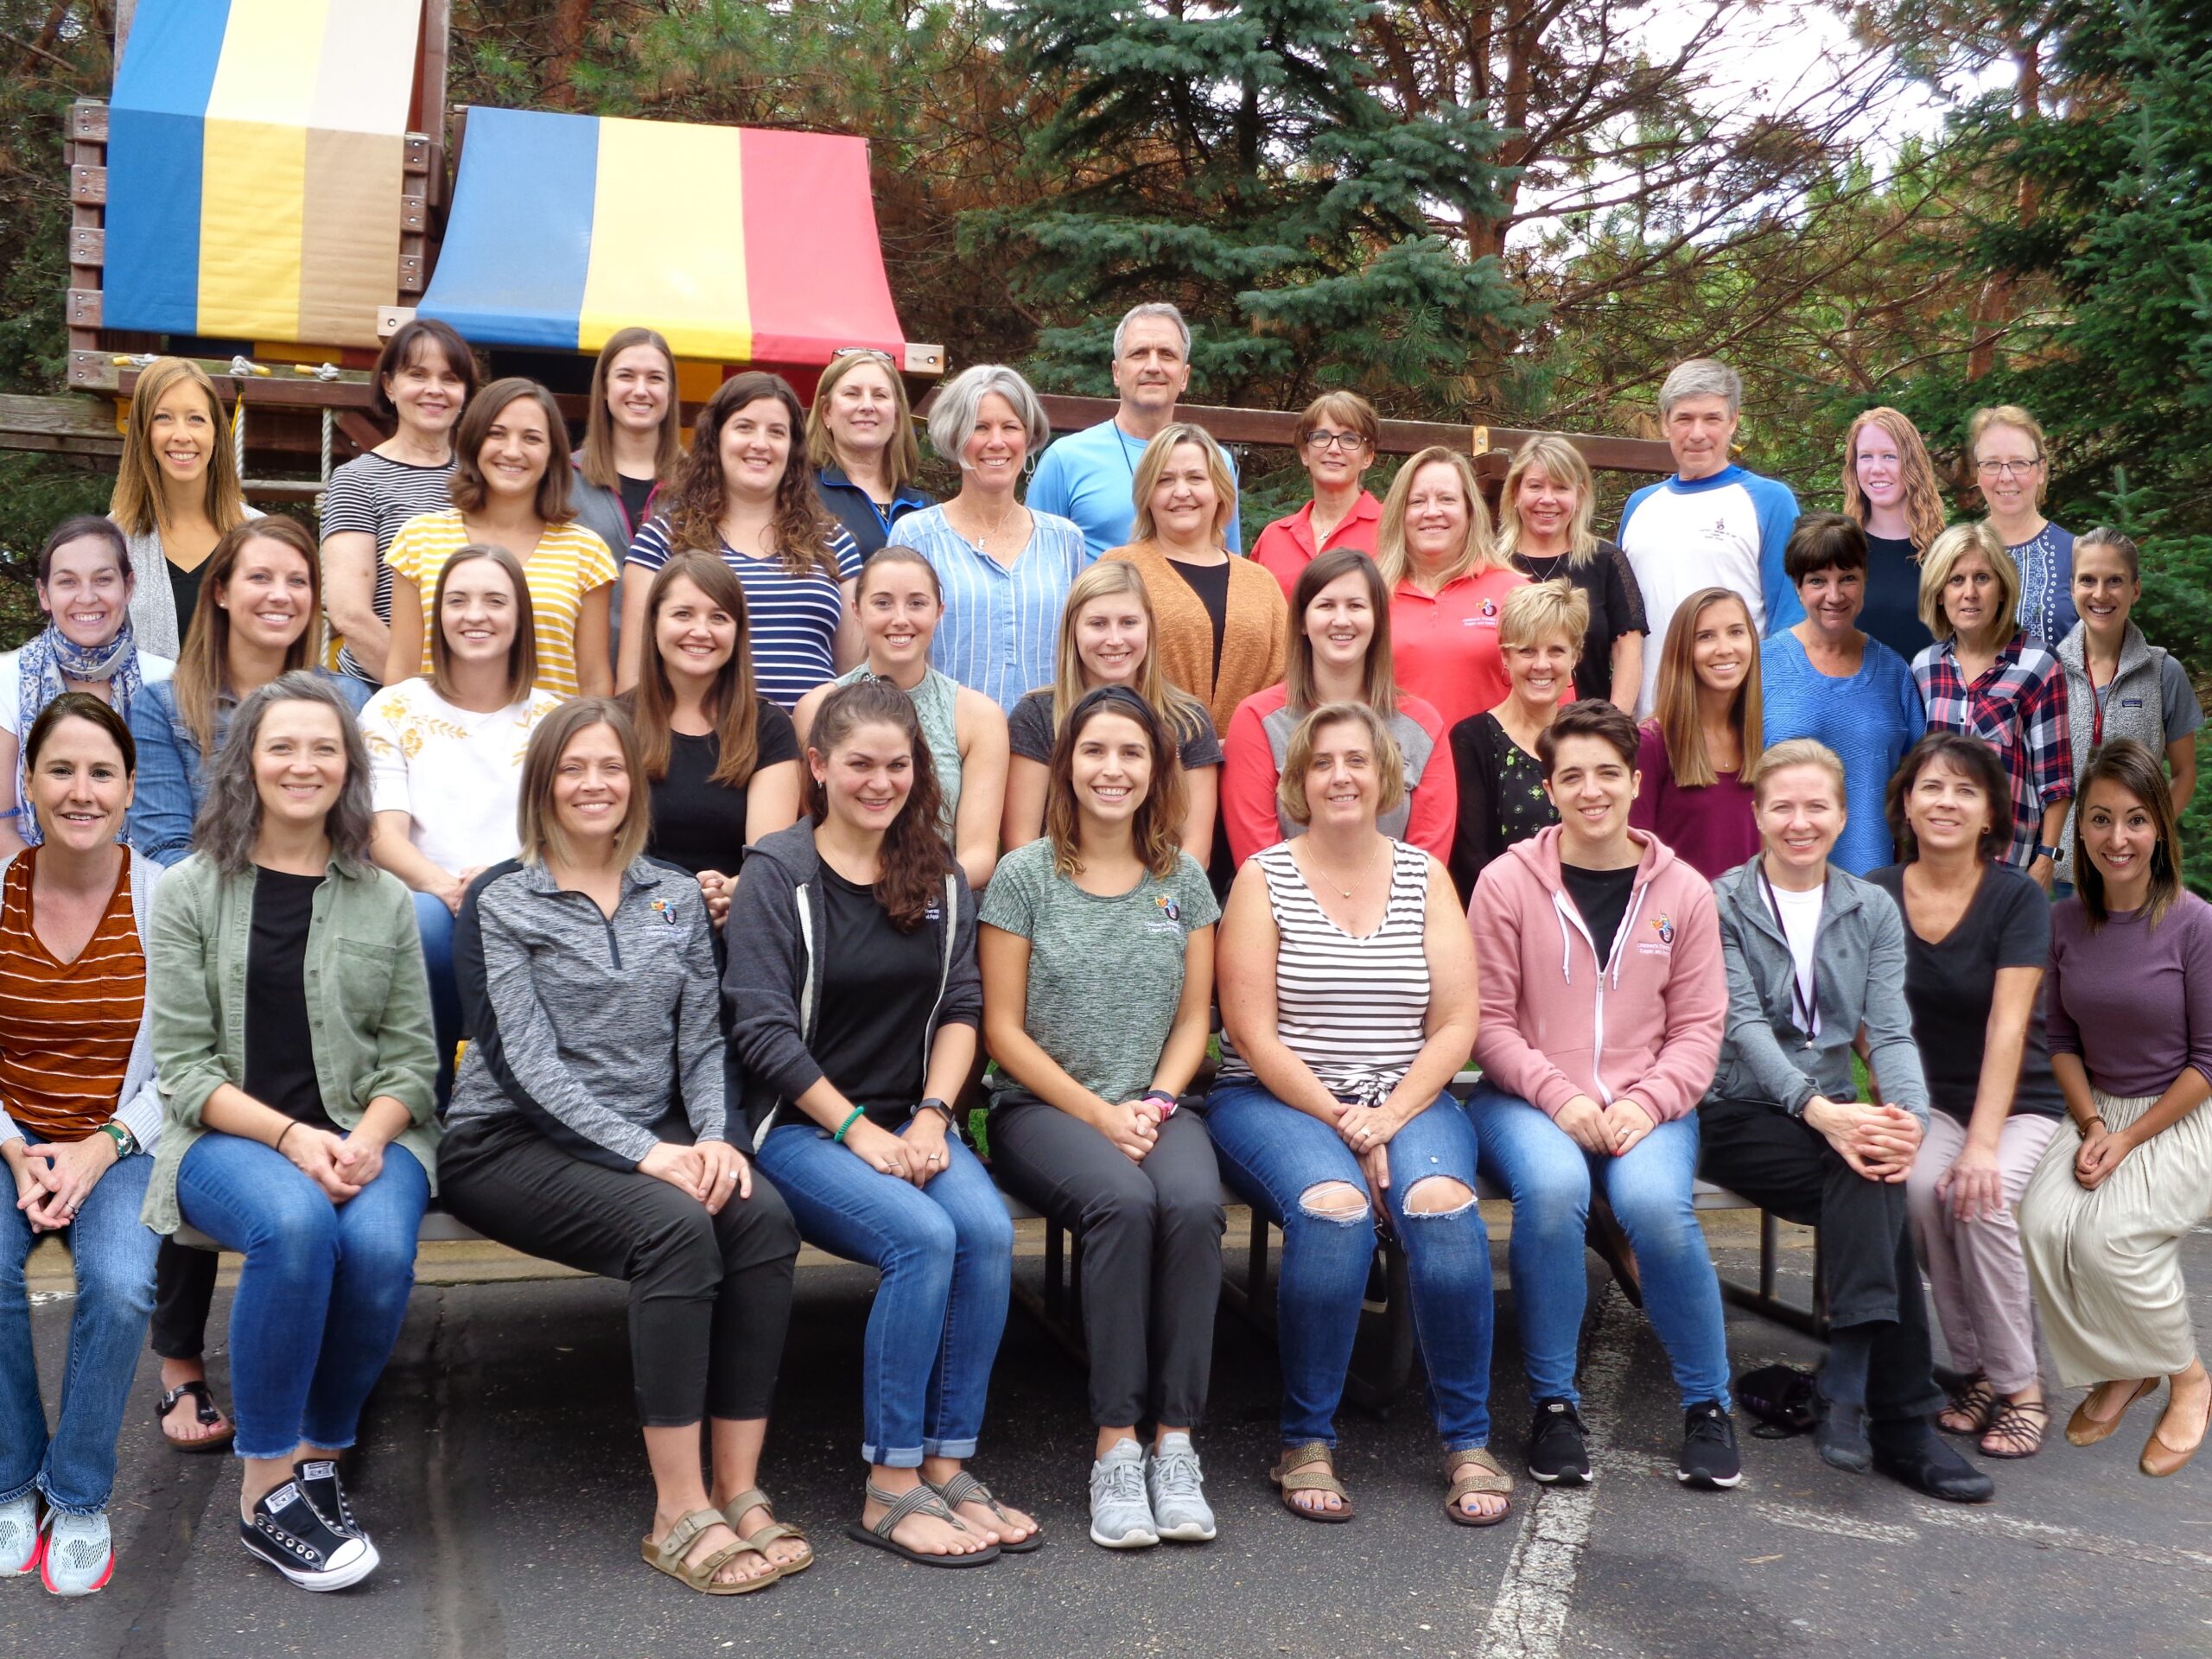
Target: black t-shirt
x=1601 y=899
x=879 y=989
x=700 y=825
x=635 y=492
x=1949 y=985
x=1616 y=608
x=1029 y=734
x=279 y=1045
x=1891 y=614
x=184 y=588
x=1210 y=583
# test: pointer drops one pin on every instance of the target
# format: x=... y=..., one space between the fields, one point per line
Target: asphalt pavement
x=501 y=1474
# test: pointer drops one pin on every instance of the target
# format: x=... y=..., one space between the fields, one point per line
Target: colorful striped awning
x=740 y=244
x=256 y=151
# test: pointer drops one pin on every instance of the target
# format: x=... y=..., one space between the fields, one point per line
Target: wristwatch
x=125 y=1142
x=2051 y=852
x=932 y=1103
x=1166 y=1101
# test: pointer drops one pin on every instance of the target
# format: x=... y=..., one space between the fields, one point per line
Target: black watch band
x=932 y=1103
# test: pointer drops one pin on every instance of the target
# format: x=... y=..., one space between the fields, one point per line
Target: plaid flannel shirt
x=2018 y=707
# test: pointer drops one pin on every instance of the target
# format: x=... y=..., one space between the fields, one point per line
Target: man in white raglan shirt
x=1714 y=523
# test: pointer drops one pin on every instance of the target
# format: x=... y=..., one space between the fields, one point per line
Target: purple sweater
x=2134 y=1002
x=1712 y=829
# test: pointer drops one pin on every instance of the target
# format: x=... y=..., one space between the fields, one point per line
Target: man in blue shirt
x=1090 y=476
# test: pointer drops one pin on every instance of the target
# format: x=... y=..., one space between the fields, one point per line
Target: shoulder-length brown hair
x=1150 y=464
x=1157 y=830
x=800 y=527
x=902 y=456
x=136 y=503
x=1119 y=579
x=2135 y=769
x=416 y=335
x=1923 y=496
x=595 y=460
x=733 y=702
x=467 y=487
x=537 y=822
x=1298 y=759
x=914 y=862
x=1379 y=687
x=522 y=655
x=1974 y=760
x=229 y=820
x=1675 y=711
x=1480 y=552
x=203 y=664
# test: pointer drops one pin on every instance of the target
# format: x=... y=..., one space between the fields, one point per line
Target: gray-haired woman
x=310 y=1151
x=1005 y=568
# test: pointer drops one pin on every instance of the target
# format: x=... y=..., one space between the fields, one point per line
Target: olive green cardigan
x=368 y=1006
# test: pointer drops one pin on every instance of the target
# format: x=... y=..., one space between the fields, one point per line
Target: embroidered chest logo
x=1664 y=927
x=666 y=910
x=1168 y=906
x=1490 y=608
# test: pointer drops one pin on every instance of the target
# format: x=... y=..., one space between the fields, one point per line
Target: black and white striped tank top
x=1353 y=1008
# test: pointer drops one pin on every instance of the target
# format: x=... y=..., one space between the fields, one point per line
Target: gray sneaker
x=1177 y=1488
x=1120 y=1516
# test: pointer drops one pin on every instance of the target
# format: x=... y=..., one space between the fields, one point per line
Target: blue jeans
x=114 y=1255
x=323 y=1293
x=945 y=1252
x=1550 y=1179
x=435 y=922
x=1273 y=1154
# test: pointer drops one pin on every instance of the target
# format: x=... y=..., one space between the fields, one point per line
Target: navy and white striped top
x=792 y=621
x=1000 y=631
x=375 y=495
x=1355 y=1009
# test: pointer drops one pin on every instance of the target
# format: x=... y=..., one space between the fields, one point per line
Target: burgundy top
x=1712 y=829
x=2135 y=1002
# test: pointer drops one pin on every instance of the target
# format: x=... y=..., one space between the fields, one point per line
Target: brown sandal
x=758 y=1539
x=2018 y=1427
x=1475 y=1472
x=2082 y=1429
x=1975 y=1400
x=667 y=1556
x=1291 y=1476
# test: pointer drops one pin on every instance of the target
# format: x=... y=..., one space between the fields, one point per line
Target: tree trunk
x=1992 y=307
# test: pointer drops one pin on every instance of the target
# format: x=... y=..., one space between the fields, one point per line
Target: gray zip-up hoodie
x=1860 y=953
x=771 y=989
x=595 y=1027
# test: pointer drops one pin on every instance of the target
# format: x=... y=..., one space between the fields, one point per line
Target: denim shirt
x=171 y=777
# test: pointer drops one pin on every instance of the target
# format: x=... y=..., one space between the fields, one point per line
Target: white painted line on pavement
x=1530 y=1612
x=2047 y=1536
x=1835 y=1525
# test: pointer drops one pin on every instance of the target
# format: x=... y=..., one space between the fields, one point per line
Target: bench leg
x=1765 y=1300
x=1059 y=1309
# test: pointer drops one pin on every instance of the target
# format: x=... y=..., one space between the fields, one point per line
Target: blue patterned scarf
x=47 y=665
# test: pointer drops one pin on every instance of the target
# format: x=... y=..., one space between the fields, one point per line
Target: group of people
x=659 y=916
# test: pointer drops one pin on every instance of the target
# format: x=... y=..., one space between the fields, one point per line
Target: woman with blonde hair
x=1500 y=775
x=1984 y=676
x=1544 y=517
x=1223 y=628
x=1696 y=750
x=1439 y=559
x=1890 y=490
x=1336 y=438
x=861 y=442
x=176 y=493
x=2011 y=467
x=1107 y=631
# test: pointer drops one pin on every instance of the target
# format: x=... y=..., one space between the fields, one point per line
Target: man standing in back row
x=1090 y=476
x=1714 y=523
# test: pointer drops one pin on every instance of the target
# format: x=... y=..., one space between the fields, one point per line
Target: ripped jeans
x=1273 y=1155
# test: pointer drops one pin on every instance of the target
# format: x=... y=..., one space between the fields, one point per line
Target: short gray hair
x=1151 y=309
x=1702 y=376
x=230 y=817
x=952 y=416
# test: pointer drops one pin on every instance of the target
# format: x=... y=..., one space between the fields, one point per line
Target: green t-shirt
x=1105 y=972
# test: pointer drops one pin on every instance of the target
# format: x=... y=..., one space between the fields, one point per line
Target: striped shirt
x=1354 y=1009
x=66 y=1029
x=791 y=621
x=374 y=495
x=568 y=562
x=1000 y=631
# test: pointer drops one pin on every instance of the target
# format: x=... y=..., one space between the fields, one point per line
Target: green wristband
x=840 y=1136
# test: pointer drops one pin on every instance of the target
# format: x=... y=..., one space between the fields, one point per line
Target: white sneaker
x=1121 y=1516
x=21 y=1541
x=79 y=1554
x=1177 y=1488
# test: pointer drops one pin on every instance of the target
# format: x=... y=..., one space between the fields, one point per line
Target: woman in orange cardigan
x=1224 y=628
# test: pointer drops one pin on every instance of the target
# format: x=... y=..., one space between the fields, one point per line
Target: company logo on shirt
x=1490 y=608
x=666 y=910
x=1168 y=906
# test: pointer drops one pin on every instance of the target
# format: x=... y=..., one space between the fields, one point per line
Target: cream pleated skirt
x=2107 y=1264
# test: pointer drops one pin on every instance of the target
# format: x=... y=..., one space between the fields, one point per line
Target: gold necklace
x=1342 y=890
x=982 y=537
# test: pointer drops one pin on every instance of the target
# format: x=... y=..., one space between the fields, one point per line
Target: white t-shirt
x=1801 y=925
x=456 y=772
x=151 y=670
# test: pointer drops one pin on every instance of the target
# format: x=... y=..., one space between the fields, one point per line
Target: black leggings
x=184 y=1289
x=710 y=1296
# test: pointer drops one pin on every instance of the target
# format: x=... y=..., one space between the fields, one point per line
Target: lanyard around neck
x=1804 y=998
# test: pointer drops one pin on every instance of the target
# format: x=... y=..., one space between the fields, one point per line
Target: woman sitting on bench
x=1098 y=954
x=292 y=1036
x=603 y=1143
x=1347 y=1007
x=854 y=1000
x=1816 y=956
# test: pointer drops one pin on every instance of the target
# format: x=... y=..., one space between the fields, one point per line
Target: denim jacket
x=171 y=779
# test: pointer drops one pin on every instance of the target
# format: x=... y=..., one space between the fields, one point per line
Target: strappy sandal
x=2018 y=1427
x=667 y=1556
x=2081 y=1429
x=760 y=1538
x=964 y=1488
x=1472 y=1473
x=922 y=1500
x=1973 y=1399
x=203 y=1412
x=1290 y=1479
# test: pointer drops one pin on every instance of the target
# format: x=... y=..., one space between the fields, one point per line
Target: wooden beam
x=63 y=426
x=88 y=121
x=88 y=186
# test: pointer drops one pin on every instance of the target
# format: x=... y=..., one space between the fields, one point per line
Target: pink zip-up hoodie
x=1557 y=1023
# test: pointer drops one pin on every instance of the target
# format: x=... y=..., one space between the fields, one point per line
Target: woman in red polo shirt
x=1336 y=438
x=1448 y=586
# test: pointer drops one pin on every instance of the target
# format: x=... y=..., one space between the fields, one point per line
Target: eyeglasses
x=1321 y=439
x=2007 y=468
x=863 y=351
